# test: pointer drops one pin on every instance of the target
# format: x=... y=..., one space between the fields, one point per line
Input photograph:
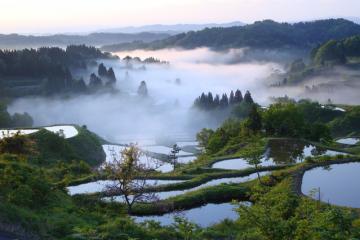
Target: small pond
x=100 y=186
x=187 y=143
x=279 y=151
x=165 y=195
x=163 y=150
x=185 y=160
x=204 y=216
x=349 y=141
x=338 y=184
x=68 y=131
x=114 y=151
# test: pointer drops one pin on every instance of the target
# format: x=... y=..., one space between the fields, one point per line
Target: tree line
x=209 y=102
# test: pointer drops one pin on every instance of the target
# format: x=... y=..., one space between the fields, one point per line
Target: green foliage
x=242 y=110
x=203 y=136
x=218 y=140
x=351 y=46
x=284 y=120
x=349 y=123
x=336 y=52
x=23 y=186
x=315 y=112
x=279 y=214
x=88 y=146
x=65 y=172
x=52 y=148
x=186 y=229
x=318 y=132
x=17 y=144
x=254 y=122
x=331 y=53
x=254 y=152
x=304 y=119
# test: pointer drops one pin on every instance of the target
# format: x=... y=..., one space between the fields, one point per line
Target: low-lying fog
x=124 y=117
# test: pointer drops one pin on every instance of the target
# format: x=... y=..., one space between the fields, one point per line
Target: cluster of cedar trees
x=209 y=102
x=105 y=77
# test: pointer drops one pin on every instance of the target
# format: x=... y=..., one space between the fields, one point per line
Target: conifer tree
x=102 y=72
x=238 y=97
x=248 y=98
x=216 y=101
x=142 y=90
x=111 y=75
x=231 y=100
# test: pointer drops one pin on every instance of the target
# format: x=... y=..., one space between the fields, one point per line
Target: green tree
x=330 y=53
x=125 y=171
x=254 y=121
x=253 y=154
x=203 y=136
x=284 y=120
x=247 y=98
x=173 y=155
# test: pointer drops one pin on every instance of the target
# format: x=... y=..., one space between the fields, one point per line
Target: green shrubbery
x=348 y=124
x=304 y=119
x=279 y=214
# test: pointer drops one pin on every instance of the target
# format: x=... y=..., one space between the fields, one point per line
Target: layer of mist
x=166 y=113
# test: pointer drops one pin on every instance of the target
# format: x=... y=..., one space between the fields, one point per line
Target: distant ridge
x=17 y=41
x=171 y=29
x=266 y=34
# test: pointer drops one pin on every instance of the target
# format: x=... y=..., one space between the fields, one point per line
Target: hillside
x=265 y=34
x=48 y=71
x=52 y=148
x=325 y=61
x=15 y=41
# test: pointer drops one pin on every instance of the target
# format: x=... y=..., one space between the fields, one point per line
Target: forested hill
x=337 y=52
x=49 y=70
x=323 y=62
x=16 y=41
x=263 y=34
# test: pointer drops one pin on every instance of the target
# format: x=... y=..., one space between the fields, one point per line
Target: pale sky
x=49 y=16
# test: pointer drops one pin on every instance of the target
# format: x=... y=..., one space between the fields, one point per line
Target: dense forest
x=265 y=34
x=47 y=71
x=324 y=59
